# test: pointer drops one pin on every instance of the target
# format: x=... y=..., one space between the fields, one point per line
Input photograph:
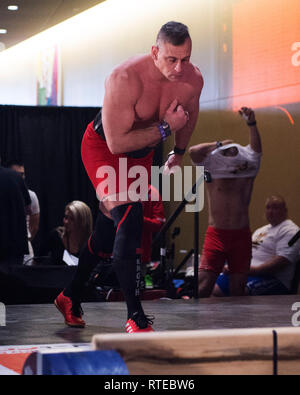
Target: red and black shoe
x=71 y=311
x=139 y=322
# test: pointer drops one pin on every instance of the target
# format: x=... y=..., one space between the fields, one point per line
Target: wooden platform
x=255 y=351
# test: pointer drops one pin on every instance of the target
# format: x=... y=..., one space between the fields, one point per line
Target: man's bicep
x=118 y=109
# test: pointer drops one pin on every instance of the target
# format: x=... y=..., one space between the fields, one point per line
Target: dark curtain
x=48 y=140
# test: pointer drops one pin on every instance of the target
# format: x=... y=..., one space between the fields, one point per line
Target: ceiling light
x=3 y=31
x=13 y=7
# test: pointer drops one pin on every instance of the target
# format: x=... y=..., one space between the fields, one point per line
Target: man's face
x=276 y=212
x=19 y=169
x=172 y=61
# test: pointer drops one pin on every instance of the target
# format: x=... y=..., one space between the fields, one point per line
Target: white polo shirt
x=269 y=241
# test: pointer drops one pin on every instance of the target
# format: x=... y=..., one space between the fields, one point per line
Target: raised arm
x=255 y=140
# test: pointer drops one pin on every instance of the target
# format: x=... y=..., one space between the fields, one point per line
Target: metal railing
x=161 y=237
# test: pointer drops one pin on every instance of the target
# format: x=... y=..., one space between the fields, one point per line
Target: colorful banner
x=48 y=77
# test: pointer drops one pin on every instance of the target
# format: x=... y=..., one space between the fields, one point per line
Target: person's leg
x=129 y=221
x=207 y=280
x=100 y=245
x=212 y=262
x=239 y=259
x=237 y=284
x=95 y=154
x=127 y=215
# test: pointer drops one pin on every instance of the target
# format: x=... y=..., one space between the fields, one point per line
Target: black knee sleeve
x=128 y=219
x=102 y=240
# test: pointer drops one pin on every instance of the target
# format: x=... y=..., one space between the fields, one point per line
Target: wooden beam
x=229 y=351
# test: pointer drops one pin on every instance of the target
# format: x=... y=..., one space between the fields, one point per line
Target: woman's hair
x=83 y=219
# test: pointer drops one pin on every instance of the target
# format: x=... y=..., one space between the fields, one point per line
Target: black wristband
x=219 y=144
x=251 y=123
x=179 y=151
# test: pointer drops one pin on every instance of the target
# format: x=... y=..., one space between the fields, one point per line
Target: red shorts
x=110 y=174
x=231 y=246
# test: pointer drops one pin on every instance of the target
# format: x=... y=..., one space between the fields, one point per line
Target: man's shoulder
x=288 y=226
x=127 y=74
x=130 y=69
x=196 y=77
x=197 y=72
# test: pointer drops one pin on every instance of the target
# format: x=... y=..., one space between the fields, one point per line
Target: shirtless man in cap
x=147 y=98
x=233 y=169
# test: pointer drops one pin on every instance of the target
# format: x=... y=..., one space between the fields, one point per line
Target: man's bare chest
x=154 y=101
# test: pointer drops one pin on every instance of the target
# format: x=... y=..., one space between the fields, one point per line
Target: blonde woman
x=65 y=242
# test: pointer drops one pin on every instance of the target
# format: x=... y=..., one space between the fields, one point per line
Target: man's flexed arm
x=121 y=94
x=118 y=115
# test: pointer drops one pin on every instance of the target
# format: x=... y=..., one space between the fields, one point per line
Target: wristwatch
x=164 y=129
x=219 y=144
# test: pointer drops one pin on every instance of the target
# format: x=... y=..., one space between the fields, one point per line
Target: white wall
x=93 y=42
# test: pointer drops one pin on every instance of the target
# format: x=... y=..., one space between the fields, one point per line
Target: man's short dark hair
x=174 y=33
